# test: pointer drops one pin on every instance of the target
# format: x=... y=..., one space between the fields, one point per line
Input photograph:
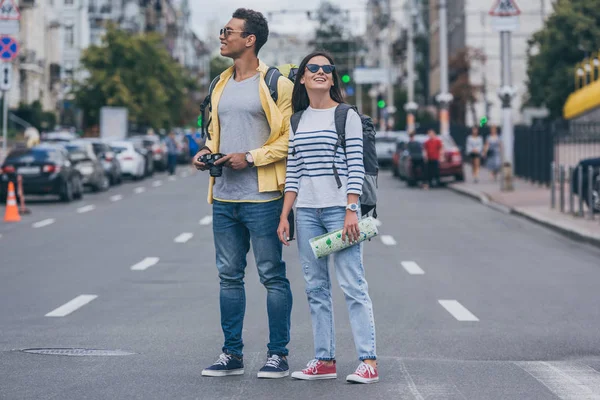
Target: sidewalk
x=532 y=202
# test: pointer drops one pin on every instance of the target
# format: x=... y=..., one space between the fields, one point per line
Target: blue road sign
x=9 y=48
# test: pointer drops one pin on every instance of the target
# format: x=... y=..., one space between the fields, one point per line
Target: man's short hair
x=254 y=23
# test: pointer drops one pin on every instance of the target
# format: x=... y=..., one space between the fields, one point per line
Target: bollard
x=571 y=192
x=580 y=189
x=591 y=192
x=561 y=187
x=553 y=185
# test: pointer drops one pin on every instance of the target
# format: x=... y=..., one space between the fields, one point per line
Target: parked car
x=85 y=160
x=585 y=164
x=110 y=163
x=451 y=162
x=158 y=148
x=147 y=154
x=385 y=145
x=45 y=170
x=58 y=137
x=132 y=163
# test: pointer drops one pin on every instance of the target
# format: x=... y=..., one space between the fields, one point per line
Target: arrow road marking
x=206 y=220
x=412 y=268
x=184 y=237
x=85 y=209
x=458 y=311
x=71 y=306
x=43 y=223
x=388 y=240
x=145 y=264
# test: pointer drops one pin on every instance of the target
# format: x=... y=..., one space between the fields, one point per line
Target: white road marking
x=71 y=306
x=139 y=190
x=156 y=183
x=377 y=222
x=172 y=178
x=116 y=197
x=43 y=223
x=458 y=311
x=145 y=264
x=184 y=237
x=410 y=382
x=567 y=380
x=206 y=220
x=388 y=240
x=84 y=209
x=412 y=268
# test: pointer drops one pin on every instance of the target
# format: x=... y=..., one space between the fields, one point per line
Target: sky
x=205 y=11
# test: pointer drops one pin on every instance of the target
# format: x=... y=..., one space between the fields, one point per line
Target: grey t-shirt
x=244 y=127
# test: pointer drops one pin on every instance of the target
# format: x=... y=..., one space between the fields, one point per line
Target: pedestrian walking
x=172 y=151
x=475 y=150
x=252 y=131
x=417 y=159
x=433 y=151
x=493 y=152
x=321 y=207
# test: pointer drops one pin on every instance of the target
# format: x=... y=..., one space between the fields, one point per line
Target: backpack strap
x=271 y=78
x=294 y=122
x=207 y=103
x=341 y=116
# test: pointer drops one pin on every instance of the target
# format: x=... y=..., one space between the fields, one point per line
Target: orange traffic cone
x=12 y=211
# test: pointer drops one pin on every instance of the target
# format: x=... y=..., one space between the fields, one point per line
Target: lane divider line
x=458 y=311
x=157 y=183
x=145 y=264
x=85 y=209
x=412 y=268
x=388 y=240
x=116 y=197
x=139 y=190
x=184 y=237
x=72 y=305
x=206 y=220
x=45 y=222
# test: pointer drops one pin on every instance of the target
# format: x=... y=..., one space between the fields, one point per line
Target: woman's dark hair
x=254 y=23
x=300 y=100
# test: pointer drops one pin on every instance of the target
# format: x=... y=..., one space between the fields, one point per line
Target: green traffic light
x=381 y=104
x=346 y=78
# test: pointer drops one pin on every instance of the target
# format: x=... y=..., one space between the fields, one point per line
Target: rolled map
x=324 y=245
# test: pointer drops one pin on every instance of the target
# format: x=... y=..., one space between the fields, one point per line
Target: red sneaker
x=316 y=369
x=364 y=374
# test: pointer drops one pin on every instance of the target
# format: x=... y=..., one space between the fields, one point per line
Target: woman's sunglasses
x=314 y=68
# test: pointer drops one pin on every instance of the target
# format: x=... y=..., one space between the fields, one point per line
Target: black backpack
x=271 y=78
x=368 y=199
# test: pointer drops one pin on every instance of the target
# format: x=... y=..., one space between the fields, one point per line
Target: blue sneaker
x=226 y=365
x=275 y=367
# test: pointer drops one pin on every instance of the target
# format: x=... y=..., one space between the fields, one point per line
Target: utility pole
x=505 y=20
x=411 y=107
x=445 y=97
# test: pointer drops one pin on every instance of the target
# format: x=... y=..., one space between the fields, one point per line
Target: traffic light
x=381 y=104
x=346 y=78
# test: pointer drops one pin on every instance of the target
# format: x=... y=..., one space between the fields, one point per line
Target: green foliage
x=219 y=64
x=136 y=72
x=569 y=34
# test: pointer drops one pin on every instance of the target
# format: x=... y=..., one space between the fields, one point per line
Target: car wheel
x=78 y=191
x=67 y=193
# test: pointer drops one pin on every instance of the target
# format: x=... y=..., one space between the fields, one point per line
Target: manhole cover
x=77 y=352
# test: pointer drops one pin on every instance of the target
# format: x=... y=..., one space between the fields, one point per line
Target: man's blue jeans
x=235 y=226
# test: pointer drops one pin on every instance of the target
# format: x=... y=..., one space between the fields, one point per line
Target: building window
x=69 y=36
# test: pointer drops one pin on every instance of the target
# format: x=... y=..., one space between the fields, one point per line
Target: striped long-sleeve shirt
x=311 y=158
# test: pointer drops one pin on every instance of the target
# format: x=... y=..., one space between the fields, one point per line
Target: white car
x=132 y=163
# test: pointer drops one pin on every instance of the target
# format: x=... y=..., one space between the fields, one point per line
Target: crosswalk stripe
x=458 y=311
x=412 y=268
x=72 y=305
x=145 y=264
x=567 y=380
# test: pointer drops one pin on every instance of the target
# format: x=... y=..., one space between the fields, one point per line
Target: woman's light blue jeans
x=350 y=272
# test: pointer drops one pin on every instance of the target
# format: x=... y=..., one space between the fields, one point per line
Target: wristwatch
x=352 y=207
x=249 y=160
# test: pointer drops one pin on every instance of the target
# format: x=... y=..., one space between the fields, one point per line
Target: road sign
x=9 y=48
x=5 y=76
x=505 y=8
x=9 y=27
x=371 y=75
x=9 y=10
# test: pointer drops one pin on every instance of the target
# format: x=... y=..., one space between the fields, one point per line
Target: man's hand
x=235 y=161
x=200 y=165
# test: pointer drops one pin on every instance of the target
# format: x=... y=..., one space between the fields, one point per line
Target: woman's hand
x=283 y=231
x=351 y=229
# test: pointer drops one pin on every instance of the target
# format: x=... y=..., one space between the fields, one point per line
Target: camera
x=209 y=160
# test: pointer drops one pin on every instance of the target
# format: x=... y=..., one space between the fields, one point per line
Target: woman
x=321 y=207
x=474 y=150
x=493 y=152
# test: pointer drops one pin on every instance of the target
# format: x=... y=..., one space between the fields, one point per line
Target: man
x=172 y=152
x=415 y=151
x=253 y=131
x=433 y=151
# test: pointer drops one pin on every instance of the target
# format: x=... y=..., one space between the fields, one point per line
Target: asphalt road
x=470 y=303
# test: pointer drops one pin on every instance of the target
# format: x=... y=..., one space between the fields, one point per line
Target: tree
x=136 y=72
x=219 y=64
x=464 y=92
x=568 y=36
x=36 y=116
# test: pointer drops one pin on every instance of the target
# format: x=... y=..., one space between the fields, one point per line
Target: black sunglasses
x=314 y=68
x=227 y=31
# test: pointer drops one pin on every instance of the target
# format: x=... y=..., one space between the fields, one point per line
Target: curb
x=485 y=200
